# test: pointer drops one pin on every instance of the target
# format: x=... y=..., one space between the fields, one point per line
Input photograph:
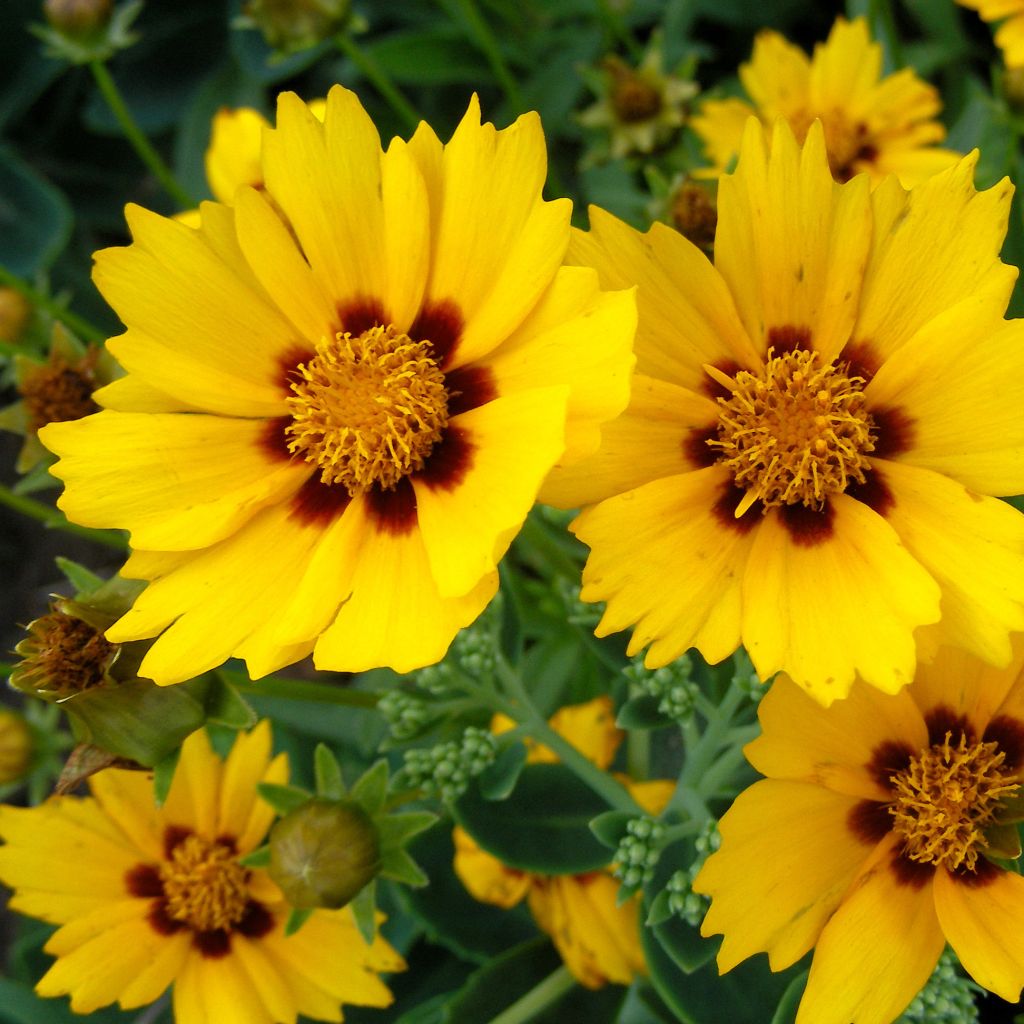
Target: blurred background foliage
x=66 y=172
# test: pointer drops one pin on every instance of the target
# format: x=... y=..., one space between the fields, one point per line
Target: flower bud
x=78 y=17
x=323 y=853
x=15 y=746
x=14 y=313
x=292 y=25
x=693 y=213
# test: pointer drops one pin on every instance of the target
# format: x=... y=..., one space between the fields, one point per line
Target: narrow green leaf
x=329 y=783
x=258 y=858
x=610 y=827
x=364 y=910
x=400 y=867
x=226 y=706
x=785 y=1012
x=283 y=798
x=397 y=829
x=163 y=776
x=660 y=911
x=297 y=918
x=78 y=576
x=498 y=781
x=372 y=788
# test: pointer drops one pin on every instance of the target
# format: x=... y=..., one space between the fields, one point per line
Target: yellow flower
x=598 y=940
x=343 y=394
x=873 y=125
x=16 y=747
x=1009 y=35
x=816 y=423
x=149 y=896
x=870 y=839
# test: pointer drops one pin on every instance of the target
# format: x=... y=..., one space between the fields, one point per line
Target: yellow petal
x=486 y=879
x=823 y=608
x=177 y=482
x=591 y=729
x=268 y=981
x=195 y=791
x=131 y=394
x=981 y=917
x=665 y=558
x=787 y=857
x=865 y=968
x=803 y=741
x=217 y=992
x=468 y=519
x=407 y=230
x=777 y=78
x=239 y=804
x=720 y=124
x=233 y=156
x=126 y=798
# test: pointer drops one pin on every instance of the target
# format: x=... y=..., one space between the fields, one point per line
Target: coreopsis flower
x=640 y=108
x=873 y=124
x=232 y=158
x=597 y=938
x=157 y=896
x=882 y=831
x=343 y=394
x=1009 y=35
x=817 y=422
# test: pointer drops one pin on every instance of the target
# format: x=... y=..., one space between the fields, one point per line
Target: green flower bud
x=292 y=25
x=323 y=853
x=78 y=17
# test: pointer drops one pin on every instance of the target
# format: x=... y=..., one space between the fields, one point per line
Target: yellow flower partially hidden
x=233 y=158
x=873 y=124
x=817 y=423
x=1009 y=35
x=598 y=940
x=148 y=897
x=870 y=840
x=343 y=394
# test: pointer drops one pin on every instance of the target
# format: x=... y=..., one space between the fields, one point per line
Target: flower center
x=946 y=798
x=367 y=410
x=57 y=391
x=63 y=655
x=633 y=97
x=796 y=432
x=204 y=885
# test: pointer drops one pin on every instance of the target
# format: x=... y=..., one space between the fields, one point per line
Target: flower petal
x=486 y=879
x=807 y=597
x=787 y=858
x=643 y=542
x=177 y=482
x=193 y=799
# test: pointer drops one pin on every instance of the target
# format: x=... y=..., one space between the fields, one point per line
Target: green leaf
x=226 y=706
x=329 y=783
x=297 y=917
x=371 y=789
x=258 y=858
x=498 y=780
x=661 y=909
x=163 y=776
x=364 y=910
x=544 y=826
x=283 y=798
x=785 y=1012
x=437 y=56
x=641 y=713
x=610 y=827
x=79 y=577
x=400 y=867
x=35 y=218
x=396 y=829
x=451 y=917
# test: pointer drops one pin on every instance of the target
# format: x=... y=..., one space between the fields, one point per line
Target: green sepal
x=137 y=719
x=642 y=712
x=98 y=45
x=297 y=917
x=371 y=789
x=400 y=867
x=258 y=858
x=364 y=911
x=497 y=781
x=224 y=705
x=1003 y=842
x=397 y=829
x=609 y=828
x=283 y=798
x=163 y=776
x=84 y=581
x=1011 y=809
x=661 y=909
x=329 y=783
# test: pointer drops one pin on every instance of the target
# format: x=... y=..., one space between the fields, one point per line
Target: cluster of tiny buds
x=444 y=770
x=671 y=685
x=947 y=998
x=475 y=651
x=638 y=851
x=406 y=713
x=746 y=679
x=577 y=611
x=682 y=900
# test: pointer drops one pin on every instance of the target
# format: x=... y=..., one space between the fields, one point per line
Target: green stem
x=700 y=758
x=488 y=43
x=615 y=27
x=85 y=330
x=147 y=154
x=300 y=689
x=55 y=519
x=539 y=998
x=712 y=781
x=638 y=753
x=379 y=78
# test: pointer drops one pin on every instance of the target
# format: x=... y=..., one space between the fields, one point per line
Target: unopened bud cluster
x=682 y=900
x=638 y=852
x=445 y=770
x=406 y=713
x=671 y=686
x=577 y=611
x=475 y=651
x=746 y=679
x=947 y=998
